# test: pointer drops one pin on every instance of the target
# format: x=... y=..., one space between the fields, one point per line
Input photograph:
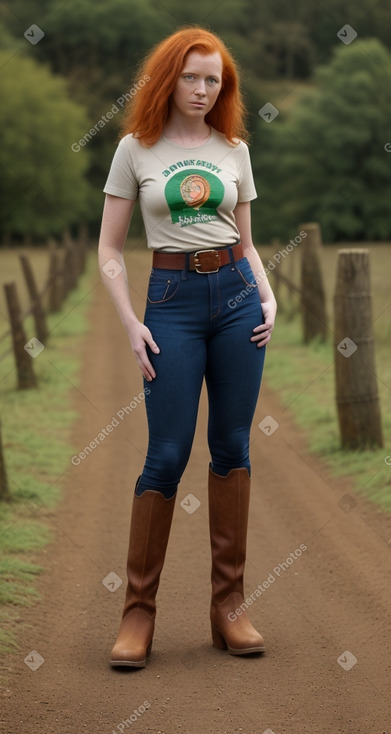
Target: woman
x=210 y=312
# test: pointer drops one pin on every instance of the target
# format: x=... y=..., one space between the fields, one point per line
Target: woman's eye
x=191 y=77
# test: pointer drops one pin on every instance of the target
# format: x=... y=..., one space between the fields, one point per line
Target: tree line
x=323 y=157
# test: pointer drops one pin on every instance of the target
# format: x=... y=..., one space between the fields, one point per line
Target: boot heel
x=149 y=648
x=218 y=639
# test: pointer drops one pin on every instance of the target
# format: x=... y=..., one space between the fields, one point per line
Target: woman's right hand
x=140 y=336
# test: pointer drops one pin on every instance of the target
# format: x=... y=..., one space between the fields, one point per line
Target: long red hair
x=147 y=111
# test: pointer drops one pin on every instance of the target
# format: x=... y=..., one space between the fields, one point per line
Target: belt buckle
x=206 y=258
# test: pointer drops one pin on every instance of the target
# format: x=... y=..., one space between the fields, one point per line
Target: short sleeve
x=121 y=180
x=246 y=186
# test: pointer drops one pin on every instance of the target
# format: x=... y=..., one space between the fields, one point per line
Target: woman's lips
x=198 y=104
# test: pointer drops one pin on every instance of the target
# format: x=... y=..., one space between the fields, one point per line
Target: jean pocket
x=163 y=286
x=243 y=268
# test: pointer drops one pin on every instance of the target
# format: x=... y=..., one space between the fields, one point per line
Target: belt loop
x=231 y=252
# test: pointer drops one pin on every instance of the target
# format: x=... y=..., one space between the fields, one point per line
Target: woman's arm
x=117 y=213
x=262 y=333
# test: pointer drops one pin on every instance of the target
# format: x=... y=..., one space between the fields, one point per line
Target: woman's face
x=198 y=85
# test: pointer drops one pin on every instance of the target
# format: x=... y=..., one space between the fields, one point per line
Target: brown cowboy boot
x=149 y=531
x=228 y=514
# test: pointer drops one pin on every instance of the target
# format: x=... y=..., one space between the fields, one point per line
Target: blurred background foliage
x=322 y=158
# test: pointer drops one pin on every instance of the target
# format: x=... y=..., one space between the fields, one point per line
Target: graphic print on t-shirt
x=193 y=196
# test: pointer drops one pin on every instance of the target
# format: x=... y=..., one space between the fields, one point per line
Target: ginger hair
x=147 y=111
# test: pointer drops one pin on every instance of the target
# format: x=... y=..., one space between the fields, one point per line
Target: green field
x=303 y=376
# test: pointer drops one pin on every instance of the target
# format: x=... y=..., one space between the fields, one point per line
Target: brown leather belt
x=203 y=261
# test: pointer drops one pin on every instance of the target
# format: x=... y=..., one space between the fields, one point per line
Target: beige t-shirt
x=187 y=195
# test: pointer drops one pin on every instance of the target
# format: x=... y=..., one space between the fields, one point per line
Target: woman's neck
x=187 y=131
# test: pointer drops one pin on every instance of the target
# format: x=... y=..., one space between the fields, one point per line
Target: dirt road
x=322 y=563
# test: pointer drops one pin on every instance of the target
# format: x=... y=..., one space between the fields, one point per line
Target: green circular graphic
x=193 y=196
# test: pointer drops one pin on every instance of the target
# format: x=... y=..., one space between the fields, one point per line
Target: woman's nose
x=201 y=89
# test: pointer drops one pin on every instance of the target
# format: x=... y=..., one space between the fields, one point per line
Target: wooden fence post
x=275 y=243
x=356 y=382
x=36 y=304
x=82 y=243
x=68 y=270
x=55 y=278
x=4 y=490
x=67 y=263
x=293 y=303
x=75 y=254
x=313 y=296
x=24 y=367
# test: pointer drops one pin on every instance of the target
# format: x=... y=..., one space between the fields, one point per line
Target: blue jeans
x=202 y=324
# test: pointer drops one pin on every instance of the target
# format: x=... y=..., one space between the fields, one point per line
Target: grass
x=37 y=423
x=303 y=375
x=36 y=426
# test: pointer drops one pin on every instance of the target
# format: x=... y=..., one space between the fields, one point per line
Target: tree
x=42 y=188
x=327 y=161
x=96 y=36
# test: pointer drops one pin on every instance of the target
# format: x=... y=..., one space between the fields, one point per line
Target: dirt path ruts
x=332 y=598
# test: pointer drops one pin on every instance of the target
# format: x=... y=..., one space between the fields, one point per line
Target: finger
x=261 y=335
x=261 y=339
x=263 y=327
x=147 y=370
x=263 y=342
x=150 y=371
x=152 y=344
x=144 y=363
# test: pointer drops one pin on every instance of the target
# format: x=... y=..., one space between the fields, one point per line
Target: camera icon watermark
x=347 y=660
x=112 y=581
x=347 y=503
x=268 y=112
x=347 y=347
x=190 y=503
x=268 y=425
x=33 y=505
x=34 y=347
x=34 y=660
x=34 y=34
x=347 y=34
x=112 y=268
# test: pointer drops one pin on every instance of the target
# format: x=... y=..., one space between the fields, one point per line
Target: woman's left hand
x=263 y=333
